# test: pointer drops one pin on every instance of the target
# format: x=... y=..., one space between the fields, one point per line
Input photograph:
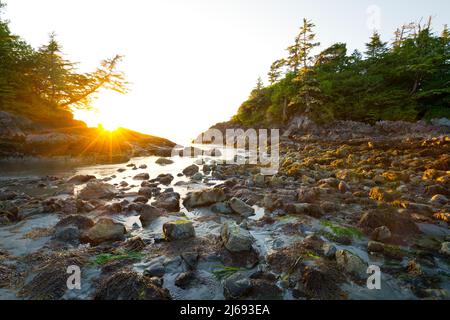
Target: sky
x=191 y=63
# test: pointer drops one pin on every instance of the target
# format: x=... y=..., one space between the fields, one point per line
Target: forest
x=43 y=86
x=405 y=79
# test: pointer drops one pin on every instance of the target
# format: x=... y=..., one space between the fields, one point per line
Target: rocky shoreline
x=345 y=197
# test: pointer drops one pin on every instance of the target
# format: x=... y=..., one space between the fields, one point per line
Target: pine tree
x=276 y=70
x=376 y=48
x=300 y=51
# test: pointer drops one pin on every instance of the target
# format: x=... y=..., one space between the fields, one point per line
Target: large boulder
x=237 y=286
x=191 y=170
x=169 y=201
x=81 y=178
x=351 y=263
x=241 y=207
x=104 y=230
x=97 y=190
x=203 y=198
x=178 y=230
x=235 y=238
x=397 y=223
x=149 y=214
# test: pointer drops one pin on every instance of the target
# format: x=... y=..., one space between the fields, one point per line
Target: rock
x=343 y=187
x=381 y=234
x=178 y=230
x=78 y=221
x=445 y=248
x=143 y=166
x=316 y=284
x=329 y=250
x=81 y=178
x=164 y=161
x=304 y=208
x=155 y=270
x=399 y=224
x=237 y=286
x=142 y=176
x=191 y=170
x=190 y=152
x=439 y=199
x=191 y=259
x=104 y=230
x=203 y=198
x=141 y=199
x=183 y=279
x=236 y=239
x=68 y=234
x=259 y=180
x=351 y=263
x=7 y=195
x=146 y=192
x=126 y=285
x=165 y=179
x=214 y=152
x=240 y=207
x=222 y=207
x=169 y=201
x=307 y=195
x=197 y=177
x=374 y=246
x=97 y=190
x=149 y=214
x=381 y=195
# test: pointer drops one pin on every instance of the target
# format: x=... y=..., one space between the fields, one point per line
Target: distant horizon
x=191 y=65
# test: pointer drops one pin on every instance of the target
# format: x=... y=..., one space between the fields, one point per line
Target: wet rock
x=445 y=248
x=381 y=234
x=236 y=239
x=263 y=289
x=156 y=269
x=437 y=189
x=163 y=161
x=197 y=177
x=148 y=214
x=146 y=192
x=165 y=179
x=343 y=187
x=399 y=224
x=259 y=180
x=178 y=230
x=104 y=230
x=141 y=176
x=81 y=178
x=316 y=284
x=134 y=244
x=191 y=170
x=439 y=199
x=222 y=207
x=143 y=166
x=240 y=207
x=69 y=234
x=191 y=259
x=126 y=285
x=374 y=246
x=307 y=195
x=305 y=208
x=329 y=250
x=184 y=279
x=97 y=190
x=141 y=199
x=203 y=198
x=351 y=263
x=381 y=195
x=169 y=201
x=237 y=286
x=78 y=221
x=7 y=195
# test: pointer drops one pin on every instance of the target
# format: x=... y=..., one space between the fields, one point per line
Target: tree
x=376 y=48
x=300 y=51
x=276 y=70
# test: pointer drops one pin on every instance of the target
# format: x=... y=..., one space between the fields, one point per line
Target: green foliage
x=42 y=85
x=342 y=231
x=222 y=272
x=406 y=80
x=105 y=258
